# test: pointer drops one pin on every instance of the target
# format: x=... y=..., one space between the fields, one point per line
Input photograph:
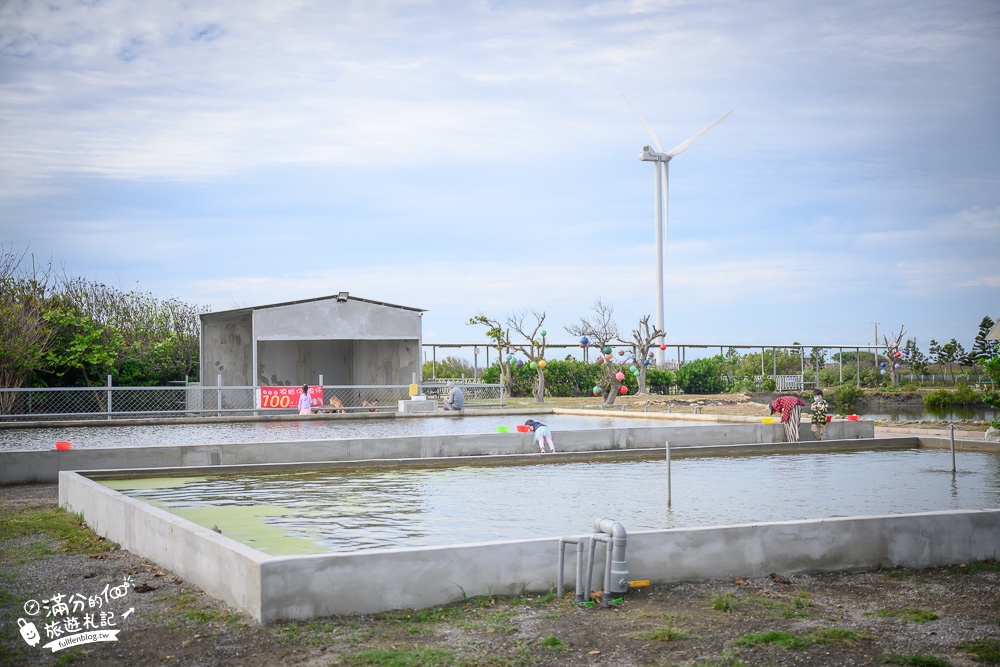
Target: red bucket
x=829 y=418
x=852 y=418
x=63 y=445
x=521 y=428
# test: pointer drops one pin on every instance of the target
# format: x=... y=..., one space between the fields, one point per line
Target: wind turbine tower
x=661 y=159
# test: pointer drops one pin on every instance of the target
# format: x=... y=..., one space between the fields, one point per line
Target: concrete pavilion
x=345 y=339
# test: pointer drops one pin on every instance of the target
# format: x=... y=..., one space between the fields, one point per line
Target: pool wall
x=301 y=587
x=23 y=466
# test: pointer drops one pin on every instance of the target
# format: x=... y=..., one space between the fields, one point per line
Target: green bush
x=847 y=396
x=701 y=376
x=658 y=380
x=945 y=398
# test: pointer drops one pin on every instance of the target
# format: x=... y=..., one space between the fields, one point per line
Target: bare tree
x=644 y=337
x=25 y=334
x=499 y=336
x=891 y=349
x=531 y=331
x=533 y=346
x=602 y=330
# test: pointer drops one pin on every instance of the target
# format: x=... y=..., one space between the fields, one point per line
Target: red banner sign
x=287 y=397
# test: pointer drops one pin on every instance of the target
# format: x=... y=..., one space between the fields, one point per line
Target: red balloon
x=623 y=390
x=662 y=346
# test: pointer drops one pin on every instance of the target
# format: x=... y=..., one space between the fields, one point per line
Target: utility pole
x=875 y=350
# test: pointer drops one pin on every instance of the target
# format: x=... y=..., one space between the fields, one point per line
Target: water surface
x=356 y=510
x=85 y=437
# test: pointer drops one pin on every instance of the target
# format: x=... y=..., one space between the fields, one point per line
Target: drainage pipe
x=616 y=572
x=563 y=541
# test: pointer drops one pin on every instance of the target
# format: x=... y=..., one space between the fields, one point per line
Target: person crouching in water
x=542 y=435
x=818 y=408
x=791 y=409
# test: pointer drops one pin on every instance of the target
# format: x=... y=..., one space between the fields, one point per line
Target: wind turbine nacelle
x=649 y=155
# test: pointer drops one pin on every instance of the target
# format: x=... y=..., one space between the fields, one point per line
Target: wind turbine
x=662 y=159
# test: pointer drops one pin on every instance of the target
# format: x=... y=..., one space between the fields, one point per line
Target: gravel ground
x=840 y=619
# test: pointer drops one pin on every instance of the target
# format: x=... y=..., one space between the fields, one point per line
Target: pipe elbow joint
x=610 y=527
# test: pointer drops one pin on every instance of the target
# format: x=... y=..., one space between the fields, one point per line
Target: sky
x=479 y=158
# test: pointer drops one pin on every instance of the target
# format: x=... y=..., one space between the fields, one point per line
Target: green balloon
x=542 y=332
x=534 y=364
x=634 y=369
x=607 y=350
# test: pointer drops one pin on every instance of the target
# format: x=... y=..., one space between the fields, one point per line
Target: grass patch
x=986 y=651
x=912 y=615
x=429 y=615
x=722 y=602
x=914 y=660
x=47 y=532
x=414 y=657
x=193 y=606
x=789 y=640
x=975 y=567
x=796 y=606
x=552 y=643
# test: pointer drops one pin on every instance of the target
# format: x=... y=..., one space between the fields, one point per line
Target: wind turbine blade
x=680 y=148
x=656 y=141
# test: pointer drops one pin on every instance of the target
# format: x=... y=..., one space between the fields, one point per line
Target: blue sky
x=467 y=157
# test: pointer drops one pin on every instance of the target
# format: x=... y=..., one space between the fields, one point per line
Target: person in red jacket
x=790 y=408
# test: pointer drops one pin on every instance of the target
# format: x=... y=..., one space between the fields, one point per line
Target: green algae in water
x=249 y=524
x=147 y=483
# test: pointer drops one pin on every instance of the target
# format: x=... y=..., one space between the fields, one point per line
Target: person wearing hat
x=455 y=400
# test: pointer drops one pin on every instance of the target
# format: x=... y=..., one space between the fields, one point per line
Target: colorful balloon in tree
x=623 y=390
x=619 y=376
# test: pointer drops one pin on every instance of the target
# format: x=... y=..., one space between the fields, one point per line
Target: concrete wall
x=227 y=350
x=221 y=567
x=302 y=587
x=44 y=466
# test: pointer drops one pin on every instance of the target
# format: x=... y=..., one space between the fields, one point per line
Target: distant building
x=346 y=339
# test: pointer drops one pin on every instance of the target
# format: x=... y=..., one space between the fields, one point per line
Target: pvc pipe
x=952 y=429
x=668 y=473
x=563 y=541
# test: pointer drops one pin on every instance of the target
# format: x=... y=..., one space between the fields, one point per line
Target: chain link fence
x=192 y=400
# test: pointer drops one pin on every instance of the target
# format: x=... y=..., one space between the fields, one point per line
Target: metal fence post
x=109 y=396
x=218 y=394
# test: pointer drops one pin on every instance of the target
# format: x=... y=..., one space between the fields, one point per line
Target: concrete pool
x=344 y=511
x=272 y=587
x=208 y=431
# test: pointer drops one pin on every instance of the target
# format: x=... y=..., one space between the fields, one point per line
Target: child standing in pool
x=542 y=435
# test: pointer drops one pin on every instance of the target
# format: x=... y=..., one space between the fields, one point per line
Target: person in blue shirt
x=542 y=435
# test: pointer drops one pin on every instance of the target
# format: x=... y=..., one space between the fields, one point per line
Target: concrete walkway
x=899 y=431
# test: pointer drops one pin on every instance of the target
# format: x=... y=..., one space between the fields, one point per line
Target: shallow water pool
x=321 y=512
x=87 y=437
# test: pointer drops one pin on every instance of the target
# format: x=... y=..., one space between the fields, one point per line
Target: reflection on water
x=84 y=437
x=920 y=413
x=350 y=511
